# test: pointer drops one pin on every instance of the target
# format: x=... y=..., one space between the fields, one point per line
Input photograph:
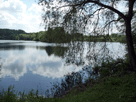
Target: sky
x=21 y=14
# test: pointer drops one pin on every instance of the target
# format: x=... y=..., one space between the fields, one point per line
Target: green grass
x=108 y=89
x=118 y=86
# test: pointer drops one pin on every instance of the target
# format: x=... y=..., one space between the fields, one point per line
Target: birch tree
x=94 y=17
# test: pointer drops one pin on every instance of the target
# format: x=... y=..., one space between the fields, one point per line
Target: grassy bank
x=115 y=84
x=109 y=89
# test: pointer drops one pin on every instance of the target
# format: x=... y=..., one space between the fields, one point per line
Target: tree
x=59 y=34
x=49 y=35
x=133 y=24
x=99 y=16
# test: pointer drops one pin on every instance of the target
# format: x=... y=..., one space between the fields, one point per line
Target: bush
x=108 y=68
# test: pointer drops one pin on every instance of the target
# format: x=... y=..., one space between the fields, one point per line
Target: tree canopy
x=10 y=33
x=94 y=17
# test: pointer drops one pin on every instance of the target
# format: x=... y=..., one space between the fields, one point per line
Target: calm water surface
x=33 y=65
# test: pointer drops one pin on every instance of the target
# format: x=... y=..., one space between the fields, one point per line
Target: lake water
x=33 y=65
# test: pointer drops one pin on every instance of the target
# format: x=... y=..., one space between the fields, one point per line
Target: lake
x=35 y=65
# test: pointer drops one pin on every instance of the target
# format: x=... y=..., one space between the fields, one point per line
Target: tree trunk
x=131 y=52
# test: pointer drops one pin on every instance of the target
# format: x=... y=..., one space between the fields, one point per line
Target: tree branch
x=111 y=22
x=98 y=3
x=108 y=7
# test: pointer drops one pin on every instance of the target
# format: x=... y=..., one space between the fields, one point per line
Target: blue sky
x=25 y=15
x=21 y=14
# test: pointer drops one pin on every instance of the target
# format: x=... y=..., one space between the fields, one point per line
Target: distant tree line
x=59 y=35
x=56 y=35
x=52 y=35
x=8 y=34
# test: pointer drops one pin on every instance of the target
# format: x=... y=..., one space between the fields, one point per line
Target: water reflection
x=87 y=55
x=26 y=64
x=93 y=53
x=16 y=65
x=7 y=46
x=54 y=50
x=0 y=71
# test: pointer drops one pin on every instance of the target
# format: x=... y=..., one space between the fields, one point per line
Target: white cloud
x=6 y=19
x=13 y=6
x=16 y=64
x=14 y=14
x=35 y=8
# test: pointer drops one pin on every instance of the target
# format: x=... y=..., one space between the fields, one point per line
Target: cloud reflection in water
x=16 y=63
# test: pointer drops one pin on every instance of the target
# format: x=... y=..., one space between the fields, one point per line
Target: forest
x=59 y=35
x=115 y=79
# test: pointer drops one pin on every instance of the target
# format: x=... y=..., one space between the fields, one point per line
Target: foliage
x=109 y=68
x=29 y=36
x=112 y=88
x=56 y=35
x=115 y=82
x=94 y=17
x=10 y=34
x=8 y=95
x=70 y=81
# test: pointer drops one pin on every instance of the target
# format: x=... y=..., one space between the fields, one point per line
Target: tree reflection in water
x=0 y=70
x=56 y=50
x=85 y=54
x=1 y=90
